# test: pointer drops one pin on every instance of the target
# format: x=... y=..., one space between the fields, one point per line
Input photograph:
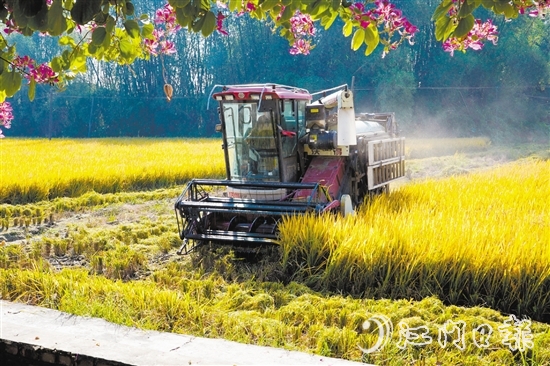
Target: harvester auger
x=287 y=154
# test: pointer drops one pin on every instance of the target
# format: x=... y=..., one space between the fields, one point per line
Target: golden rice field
x=40 y=169
x=480 y=239
x=472 y=248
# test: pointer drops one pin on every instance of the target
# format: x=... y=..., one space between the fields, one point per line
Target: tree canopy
x=114 y=31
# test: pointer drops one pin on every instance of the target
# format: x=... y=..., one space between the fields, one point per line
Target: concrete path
x=97 y=339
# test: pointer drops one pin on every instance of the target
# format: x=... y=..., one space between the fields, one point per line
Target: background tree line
x=502 y=91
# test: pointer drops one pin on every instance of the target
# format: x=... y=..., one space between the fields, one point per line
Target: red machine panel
x=327 y=171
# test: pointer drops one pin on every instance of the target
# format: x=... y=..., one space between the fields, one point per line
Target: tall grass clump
x=40 y=169
x=480 y=239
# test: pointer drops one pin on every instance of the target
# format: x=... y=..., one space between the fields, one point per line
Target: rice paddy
x=40 y=169
x=467 y=250
x=480 y=239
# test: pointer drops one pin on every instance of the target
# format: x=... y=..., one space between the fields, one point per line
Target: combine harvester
x=287 y=154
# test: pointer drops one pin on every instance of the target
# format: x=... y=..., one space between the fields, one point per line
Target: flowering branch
x=383 y=23
x=458 y=30
x=475 y=38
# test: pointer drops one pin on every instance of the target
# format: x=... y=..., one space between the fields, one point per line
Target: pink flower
x=392 y=26
x=302 y=30
x=41 y=74
x=159 y=42
x=151 y=46
x=301 y=25
x=167 y=47
x=542 y=8
x=475 y=39
x=6 y=115
x=219 y=24
x=300 y=47
x=11 y=27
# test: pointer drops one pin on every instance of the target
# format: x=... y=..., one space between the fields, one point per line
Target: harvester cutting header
x=287 y=154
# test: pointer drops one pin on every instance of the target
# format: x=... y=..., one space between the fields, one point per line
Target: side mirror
x=219 y=127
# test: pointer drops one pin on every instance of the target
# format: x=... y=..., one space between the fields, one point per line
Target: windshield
x=251 y=143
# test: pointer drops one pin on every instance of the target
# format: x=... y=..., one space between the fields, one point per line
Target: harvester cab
x=287 y=154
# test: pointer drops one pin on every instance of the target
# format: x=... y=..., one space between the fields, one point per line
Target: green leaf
x=336 y=5
x=507 y=9
x=92 y=48
x=348 y=28
x=57 y=24
x=68 y=4
x=209 y=24
x=39 y=21
x=10 y=82
x=372 y=39
x=464 y=26
x=27 y=31
x=107 y=41
x=319 y=8
x=31 y=8
x=358 y=39
x=66 y=55
x=287 y=14
x=105 y=8
x=78 y=62
x=32 y=89
x=67 y=41
x=3 y=14
x=101 y=18
x=466 y=9
x=57 y=64
x=197 y=24
x=179 y=3
x=130 y=8
x=442 y=10
x=98 y=36
x=132 y=27
x=110 y=24
x=84 y=10
x=182 y=17
x=268 y=4
x=327 y=21
x=234 y=5
x=443 y=28
x=205 y=4
x=126 y=48
x=20 y=18
x=488 y=4
x=147 y=30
